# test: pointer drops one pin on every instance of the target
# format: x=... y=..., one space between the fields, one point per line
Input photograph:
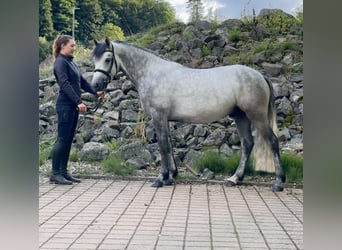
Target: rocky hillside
x=120 y=123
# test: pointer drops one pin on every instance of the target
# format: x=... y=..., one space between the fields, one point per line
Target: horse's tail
x=263 y=155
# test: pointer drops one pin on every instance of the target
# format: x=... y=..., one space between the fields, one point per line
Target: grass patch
x=293 y=167
x=45 y=148
x=235 y=34
x=74 y=156
x=115 y=165
x=205 y=50
x=113 y=145
x=221 y=164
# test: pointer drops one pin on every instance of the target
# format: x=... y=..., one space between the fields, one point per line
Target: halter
x=107 y=73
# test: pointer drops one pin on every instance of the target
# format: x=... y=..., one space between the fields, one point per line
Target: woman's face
x=69 y=48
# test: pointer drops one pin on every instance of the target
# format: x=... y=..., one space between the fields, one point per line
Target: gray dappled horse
x=169 y=91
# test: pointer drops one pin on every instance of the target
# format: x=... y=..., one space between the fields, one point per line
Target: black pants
x=67 y=117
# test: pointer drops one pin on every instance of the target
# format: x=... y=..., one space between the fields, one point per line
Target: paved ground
x=108 y=214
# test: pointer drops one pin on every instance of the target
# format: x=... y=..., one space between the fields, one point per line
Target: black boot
x=69 y=177
x=59 y=179
x=63 y=168
x=56 y=176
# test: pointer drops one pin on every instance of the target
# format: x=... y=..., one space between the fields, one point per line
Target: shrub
x=263 y=46
x=205 y=50
x=45 y=148
x=111 y=31
x=211 y=160
x=218 y=163
x=112 y=145
x=115 y=165
x=234 y=34
x=293 y=166
x=45 y=48
x=74 y=156
x=278 y=23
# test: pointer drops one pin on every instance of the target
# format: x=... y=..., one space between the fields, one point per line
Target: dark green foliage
x=45 y=19
x=45 y=49
x=138 y=16
x=293 y=167
x=88 y=24
x=196 y=10
x=115 y=165
x=234 y=34
x=211 y=160
x=93 y=17
x=218 y=163
x=62 y=15
x=45 y=147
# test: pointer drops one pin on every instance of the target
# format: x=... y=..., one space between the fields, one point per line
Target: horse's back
x=206 y=95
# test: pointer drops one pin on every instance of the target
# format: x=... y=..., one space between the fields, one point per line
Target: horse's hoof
x=157 y=184
x=277 y=188
x=230 y=183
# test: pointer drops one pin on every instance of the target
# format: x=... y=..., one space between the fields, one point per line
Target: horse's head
x=106 y=66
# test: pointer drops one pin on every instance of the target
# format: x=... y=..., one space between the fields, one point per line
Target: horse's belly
x=205 y=111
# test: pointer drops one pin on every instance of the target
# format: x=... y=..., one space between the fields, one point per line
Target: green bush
x=115 y=165
x=293 y=166
x=218 y=163
x=113 y=32
x=112 y=145
x=205 y=50
x=211 y=160
x=261 y=47
x=45 y=148
x=234 y=34
x=74 y=156
x=45 y=48
x=278 y=23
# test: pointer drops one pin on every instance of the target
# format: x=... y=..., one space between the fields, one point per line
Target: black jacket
x=70 y=81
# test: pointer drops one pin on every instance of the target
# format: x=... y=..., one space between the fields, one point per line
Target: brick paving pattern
x=109 y=215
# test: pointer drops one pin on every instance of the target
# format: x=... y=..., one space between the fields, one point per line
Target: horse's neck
x=136 y=62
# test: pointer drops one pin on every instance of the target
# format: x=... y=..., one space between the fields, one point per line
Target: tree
x=62 y=15
x=89 y=18
x=110 y=9
x=45 y=19
x=111 y=31
x=137 y=16
x=196 y=10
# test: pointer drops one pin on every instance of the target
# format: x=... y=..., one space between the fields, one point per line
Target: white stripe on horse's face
x=104 y=63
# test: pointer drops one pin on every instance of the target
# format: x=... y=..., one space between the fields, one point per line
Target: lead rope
x=90 y=111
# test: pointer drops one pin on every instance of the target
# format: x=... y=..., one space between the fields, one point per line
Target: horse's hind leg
x=267 y=133
x=244 y=129
x=167 y=162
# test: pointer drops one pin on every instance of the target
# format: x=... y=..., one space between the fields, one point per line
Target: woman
x=68 y=106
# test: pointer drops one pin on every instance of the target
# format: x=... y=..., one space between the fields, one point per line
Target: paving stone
x=108 y=214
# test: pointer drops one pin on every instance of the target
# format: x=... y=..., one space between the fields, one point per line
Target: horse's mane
x=144 y=49
x=101 y=47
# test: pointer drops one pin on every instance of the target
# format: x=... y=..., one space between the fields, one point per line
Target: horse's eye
x=108 y=60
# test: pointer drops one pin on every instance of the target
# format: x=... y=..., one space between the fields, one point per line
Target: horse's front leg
x=168 y=167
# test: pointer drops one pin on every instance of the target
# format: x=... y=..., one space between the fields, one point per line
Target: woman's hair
x=57 y=44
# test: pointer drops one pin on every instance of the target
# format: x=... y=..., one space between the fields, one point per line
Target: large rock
x=94 y=151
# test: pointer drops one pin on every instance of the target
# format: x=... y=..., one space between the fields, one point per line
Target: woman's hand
x=82 y=107
x=100 y=94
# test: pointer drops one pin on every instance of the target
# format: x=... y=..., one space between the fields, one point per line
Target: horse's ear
x=95 y=42
x=107 y=41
